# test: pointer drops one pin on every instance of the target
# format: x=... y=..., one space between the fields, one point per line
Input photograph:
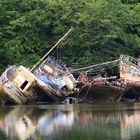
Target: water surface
x=96 y=121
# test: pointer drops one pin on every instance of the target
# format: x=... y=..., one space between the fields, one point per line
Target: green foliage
x=104 y=29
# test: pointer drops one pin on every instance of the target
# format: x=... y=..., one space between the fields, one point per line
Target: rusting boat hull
x=20 y=86
x=130 y=74
x=129 y=69
x=99 y=88
x=54 y=79
x=99 y=93
x=47 y=94
x=132 y=93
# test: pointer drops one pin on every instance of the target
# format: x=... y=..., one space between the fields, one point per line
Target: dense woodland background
x=103 y=29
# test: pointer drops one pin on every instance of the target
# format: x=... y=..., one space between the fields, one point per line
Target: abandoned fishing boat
x=129 y=69
x=54 y=75
x=99 y=87
x=57 y=77
x=124 y=86
x=22 y=86
x=17 y=84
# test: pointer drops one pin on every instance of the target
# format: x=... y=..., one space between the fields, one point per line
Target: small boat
x=129 y=69
x=94 y=87
x=17 y=84
x=98 y=88
x=54 y=79
x=54 y=75
x=122 y=87
x=21 y=86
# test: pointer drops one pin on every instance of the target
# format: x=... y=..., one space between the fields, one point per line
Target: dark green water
x=111 y=121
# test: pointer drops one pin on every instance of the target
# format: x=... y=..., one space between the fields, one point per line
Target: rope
x=100 y=68
x=96 y=65
x=80 y=91
x=87 y=91
x=123 y=92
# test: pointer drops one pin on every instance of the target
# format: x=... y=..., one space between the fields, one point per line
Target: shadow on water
x=120 y=121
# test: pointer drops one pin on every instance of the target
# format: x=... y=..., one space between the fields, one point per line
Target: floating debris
x=70 y=100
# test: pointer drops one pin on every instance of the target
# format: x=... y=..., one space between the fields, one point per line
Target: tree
x=103 y=29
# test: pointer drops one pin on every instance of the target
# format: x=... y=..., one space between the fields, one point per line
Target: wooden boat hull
x=99 y=93
x=130 y=74
x=38 y=91
x=14 y=94
x=3 y=97
x=11 y=89
x=45 y=94
x=131 y=93
x=54 y=80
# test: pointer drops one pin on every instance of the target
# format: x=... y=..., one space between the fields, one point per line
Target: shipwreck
x=51 y=81
x=129 y=70
x=124 y=86
x=18 y=84
x=57 y=77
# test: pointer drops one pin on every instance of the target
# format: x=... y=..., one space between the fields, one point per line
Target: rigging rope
x=98 y=67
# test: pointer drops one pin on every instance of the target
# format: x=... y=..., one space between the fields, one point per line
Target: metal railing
x=130 y=60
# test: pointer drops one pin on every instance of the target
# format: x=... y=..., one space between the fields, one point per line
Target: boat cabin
x=24 y=78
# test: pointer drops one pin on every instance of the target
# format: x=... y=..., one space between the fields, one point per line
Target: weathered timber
x=17 y=83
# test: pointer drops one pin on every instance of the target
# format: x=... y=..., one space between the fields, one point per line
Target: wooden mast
x=61 y=39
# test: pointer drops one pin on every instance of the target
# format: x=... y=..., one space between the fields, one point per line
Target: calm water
x=114 y=121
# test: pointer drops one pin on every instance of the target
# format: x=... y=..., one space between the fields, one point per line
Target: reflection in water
x=56 y=122
x=130 y=126
x=85 y=121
